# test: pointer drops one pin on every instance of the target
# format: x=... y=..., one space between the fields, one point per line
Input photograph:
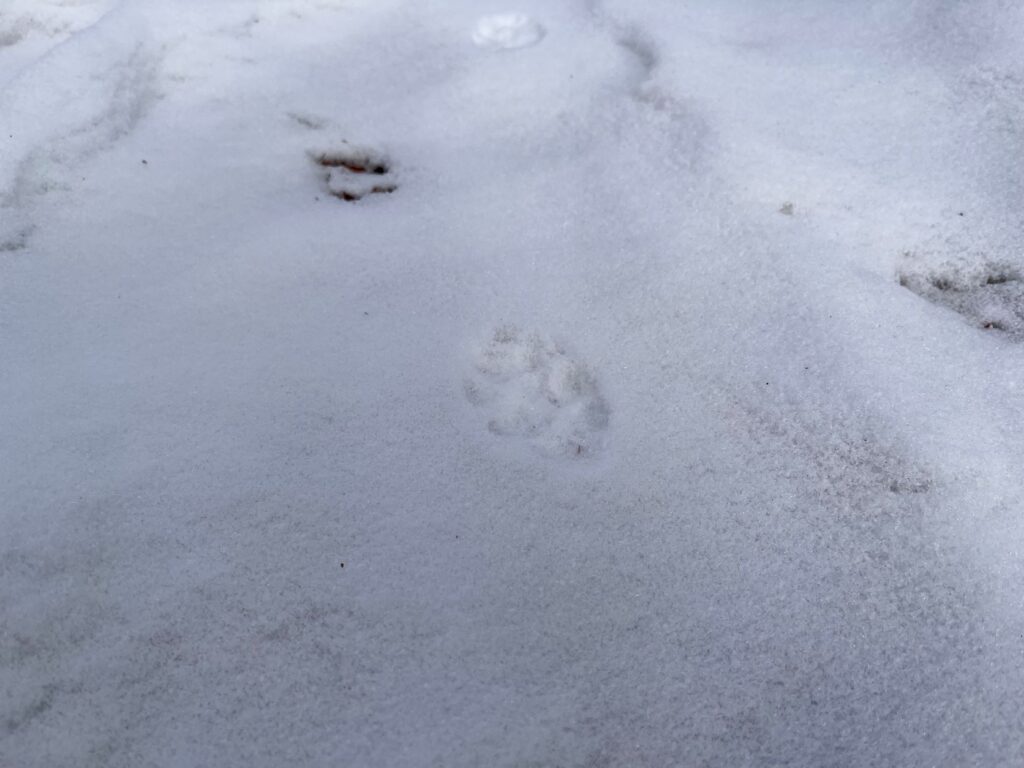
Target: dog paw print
x=989 y=294
x=529 y=388
x=351 y=173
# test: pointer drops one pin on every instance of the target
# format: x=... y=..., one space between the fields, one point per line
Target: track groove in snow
x=78 y=101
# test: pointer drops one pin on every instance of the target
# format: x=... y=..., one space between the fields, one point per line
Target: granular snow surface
x=584 y=383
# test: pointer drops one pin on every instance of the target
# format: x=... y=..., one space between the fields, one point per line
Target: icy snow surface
x=647 y=395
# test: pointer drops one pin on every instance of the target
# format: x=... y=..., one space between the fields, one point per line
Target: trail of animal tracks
x=567 y=384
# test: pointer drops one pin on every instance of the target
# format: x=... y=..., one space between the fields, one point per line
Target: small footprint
x=530 y=389
x=350 y=172
x=507 y=31
x=989 y=294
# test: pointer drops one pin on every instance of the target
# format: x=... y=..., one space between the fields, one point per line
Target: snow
x=507 y=30
x=641 y=387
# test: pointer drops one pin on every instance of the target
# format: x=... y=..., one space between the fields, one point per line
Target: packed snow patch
x=507 y=30
x=531 y=389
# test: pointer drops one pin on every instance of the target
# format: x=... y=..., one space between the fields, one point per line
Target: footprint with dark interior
x=350 y=172
x=988 y=293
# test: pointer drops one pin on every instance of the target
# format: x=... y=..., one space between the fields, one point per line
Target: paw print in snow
x=531 y=389
x=350 y=173
x=989 y=294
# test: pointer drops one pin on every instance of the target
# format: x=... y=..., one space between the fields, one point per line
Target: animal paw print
x=989 y=294
x=531 y=389
x=351 y=173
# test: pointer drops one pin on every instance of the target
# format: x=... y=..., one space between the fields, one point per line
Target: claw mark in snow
x=531 y=389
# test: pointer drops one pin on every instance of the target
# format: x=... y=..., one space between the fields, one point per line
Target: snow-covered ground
x=591 y=383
